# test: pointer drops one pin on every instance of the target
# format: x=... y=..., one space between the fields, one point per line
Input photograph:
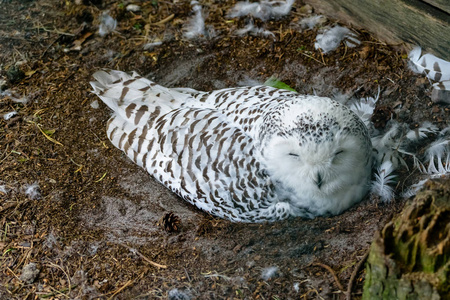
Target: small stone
x=440 y=96
x=435 y=109
x=25 y=244
x=133 y=7
x=29 y=273
x=15 y=74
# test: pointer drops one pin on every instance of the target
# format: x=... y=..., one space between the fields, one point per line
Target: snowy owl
x=248 y=154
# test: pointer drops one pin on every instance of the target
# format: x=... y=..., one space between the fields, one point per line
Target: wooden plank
x=441 y=4
x=394 y=21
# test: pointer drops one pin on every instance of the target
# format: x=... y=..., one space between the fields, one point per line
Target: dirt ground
x=92 y=227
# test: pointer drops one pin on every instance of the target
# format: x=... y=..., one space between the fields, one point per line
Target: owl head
x=318 y=154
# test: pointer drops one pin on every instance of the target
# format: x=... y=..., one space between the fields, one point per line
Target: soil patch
x=92 y=227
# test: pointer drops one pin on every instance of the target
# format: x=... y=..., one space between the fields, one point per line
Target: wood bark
x=414 y=22
x=410 y=257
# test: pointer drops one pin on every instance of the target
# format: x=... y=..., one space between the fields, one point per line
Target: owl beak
x=319 y=181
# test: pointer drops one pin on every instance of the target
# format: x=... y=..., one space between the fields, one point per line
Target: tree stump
x=410 y=257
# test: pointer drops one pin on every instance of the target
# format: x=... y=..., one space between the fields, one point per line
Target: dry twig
x=145 y=258
x=348 y=294
x=329 y=269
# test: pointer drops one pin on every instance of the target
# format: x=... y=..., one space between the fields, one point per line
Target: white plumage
x=248 y=154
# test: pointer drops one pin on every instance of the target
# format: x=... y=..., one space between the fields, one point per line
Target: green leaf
x=49 y=132
x=276 y=83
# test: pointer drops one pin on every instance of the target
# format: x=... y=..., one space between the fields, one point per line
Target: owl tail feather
x=128 y=94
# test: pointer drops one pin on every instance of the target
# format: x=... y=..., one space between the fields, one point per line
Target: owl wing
x=125 y=93
x=198 y=155
x=245 y=106
x=242 y=106
x=198 y=149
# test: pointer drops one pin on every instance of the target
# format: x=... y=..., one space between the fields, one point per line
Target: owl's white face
x=324 y=172
x=329 y=176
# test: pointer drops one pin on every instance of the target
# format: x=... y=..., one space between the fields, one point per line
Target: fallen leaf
x=77 y=43
x=30 y=73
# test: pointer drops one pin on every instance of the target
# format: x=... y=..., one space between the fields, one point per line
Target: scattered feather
x=313 y=21
x=332 y=38
x=32 y=191
x=269 y=273
x=22 y=100
x=150 y=46
x=383 y=177
x=364 y=108
x=433 y=67
x=264 y=10
x=421 y=132
x=413 y=189
x=340 y=97
x=5 y=93
x=195 y=27
x=437 y=148
x=297 y=287
x=3 y=190
x=253 y=30
x=9 y=115
x=176 y=294
x=437 y=156
x=107 y=24
x=94 y=104
x=13 y=96
x=388 y=145
x=247 y=81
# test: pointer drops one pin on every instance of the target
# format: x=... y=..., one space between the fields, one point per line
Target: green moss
x=410 y=258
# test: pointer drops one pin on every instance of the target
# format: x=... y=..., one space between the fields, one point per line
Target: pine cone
x=170 y=222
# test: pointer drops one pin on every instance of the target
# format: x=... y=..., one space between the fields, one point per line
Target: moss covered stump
x=410 y=258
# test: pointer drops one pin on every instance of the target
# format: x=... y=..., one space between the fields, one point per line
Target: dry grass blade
x=134 y=250
x=165 y=20
x=56 y=292
x=151 y=262
x=101 y=178
x=47 y=136
x=313 y=58
x=67 y=276
x=128 y=283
